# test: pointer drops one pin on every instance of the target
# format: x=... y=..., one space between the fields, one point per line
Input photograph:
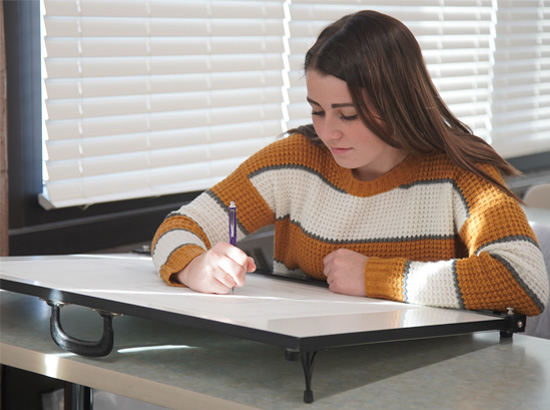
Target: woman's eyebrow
x=313 y=102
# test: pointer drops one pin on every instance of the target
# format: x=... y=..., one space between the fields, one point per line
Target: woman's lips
x=338 y=151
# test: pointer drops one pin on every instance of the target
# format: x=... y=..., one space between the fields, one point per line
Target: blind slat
x=64 y=149
x=158 y=103
x=135 y=85
x=139 y=46
x=135 y=161
x=165 y=8
x=115 y=66
x=126 y=124
x=97 y=27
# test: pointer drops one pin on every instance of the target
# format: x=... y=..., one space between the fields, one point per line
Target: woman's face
x=338 y=125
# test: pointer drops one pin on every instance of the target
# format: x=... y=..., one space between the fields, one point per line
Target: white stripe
x=170 y=241
x=212 y=217
x=526 y=259
x=326 y=212
x=432 y=284
x=209 y=215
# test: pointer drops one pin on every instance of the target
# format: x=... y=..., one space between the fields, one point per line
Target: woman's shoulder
x=472 y=187
x=438 y=160
x=441 y=166
x=296 y=142
x=437 y=166
x=292 y=150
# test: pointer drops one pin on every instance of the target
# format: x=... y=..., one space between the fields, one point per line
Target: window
x=520 y=99
x=145 y=98
x=455 y=37
x=152 y=97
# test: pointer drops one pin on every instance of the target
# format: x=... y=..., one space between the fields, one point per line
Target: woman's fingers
x=218 y=270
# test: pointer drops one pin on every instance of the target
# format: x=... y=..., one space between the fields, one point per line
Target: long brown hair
x=381 y=62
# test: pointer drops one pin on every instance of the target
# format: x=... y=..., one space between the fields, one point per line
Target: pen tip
x=232 y=204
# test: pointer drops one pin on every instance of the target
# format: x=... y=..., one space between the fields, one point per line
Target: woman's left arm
x=503 y=268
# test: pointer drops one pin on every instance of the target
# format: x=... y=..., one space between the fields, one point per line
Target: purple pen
x=232 y=223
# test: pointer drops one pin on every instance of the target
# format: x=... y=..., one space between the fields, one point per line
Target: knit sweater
x=435 y=234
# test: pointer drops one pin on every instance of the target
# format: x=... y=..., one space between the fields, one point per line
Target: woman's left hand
x=345 y=272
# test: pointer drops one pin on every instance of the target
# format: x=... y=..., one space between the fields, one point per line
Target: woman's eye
x=342 y=116
x=348 y=117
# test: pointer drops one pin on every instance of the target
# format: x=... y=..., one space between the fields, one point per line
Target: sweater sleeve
x=196 y=227
x=503 y=268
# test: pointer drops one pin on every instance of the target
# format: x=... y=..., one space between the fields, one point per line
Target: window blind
x=146 y=98
x=455 y=37
x=521 y=84
x=152 y=97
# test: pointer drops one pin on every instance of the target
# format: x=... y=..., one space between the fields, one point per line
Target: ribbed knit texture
x=435 y=234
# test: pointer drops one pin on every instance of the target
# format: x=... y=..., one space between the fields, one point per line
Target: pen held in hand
x=232 y=223
x=232 y=227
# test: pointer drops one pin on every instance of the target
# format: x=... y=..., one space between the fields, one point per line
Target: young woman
x=386 y=195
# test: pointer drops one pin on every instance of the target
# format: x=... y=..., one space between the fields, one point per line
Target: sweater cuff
x=177 y=261
x=384 y=278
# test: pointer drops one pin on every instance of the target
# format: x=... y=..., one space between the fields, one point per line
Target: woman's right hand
x=218 y=270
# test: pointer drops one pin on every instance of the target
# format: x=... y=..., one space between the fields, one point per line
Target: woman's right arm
x=190 y=248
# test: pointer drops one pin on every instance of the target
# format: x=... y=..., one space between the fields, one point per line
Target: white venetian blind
x=521 y=96
x=456 y=38
x=151 y=97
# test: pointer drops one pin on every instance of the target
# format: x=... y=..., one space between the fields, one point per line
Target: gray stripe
x=171 y=214
x=459 y=294
x=215 y=197
x=226 y=209
x=174 y=230
x=405 y=279
x=520 y=281
x=221 y=205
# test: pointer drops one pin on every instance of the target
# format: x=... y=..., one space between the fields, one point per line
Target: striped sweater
x=435 y=235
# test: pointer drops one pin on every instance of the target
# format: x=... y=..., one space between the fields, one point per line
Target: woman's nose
x=332 y=129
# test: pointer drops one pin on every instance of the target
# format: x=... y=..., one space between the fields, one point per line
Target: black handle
x=100 y=348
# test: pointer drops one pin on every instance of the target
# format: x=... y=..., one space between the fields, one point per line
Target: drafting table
x=298 y=317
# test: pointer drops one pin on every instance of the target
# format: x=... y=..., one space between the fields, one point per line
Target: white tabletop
x=263 y=304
